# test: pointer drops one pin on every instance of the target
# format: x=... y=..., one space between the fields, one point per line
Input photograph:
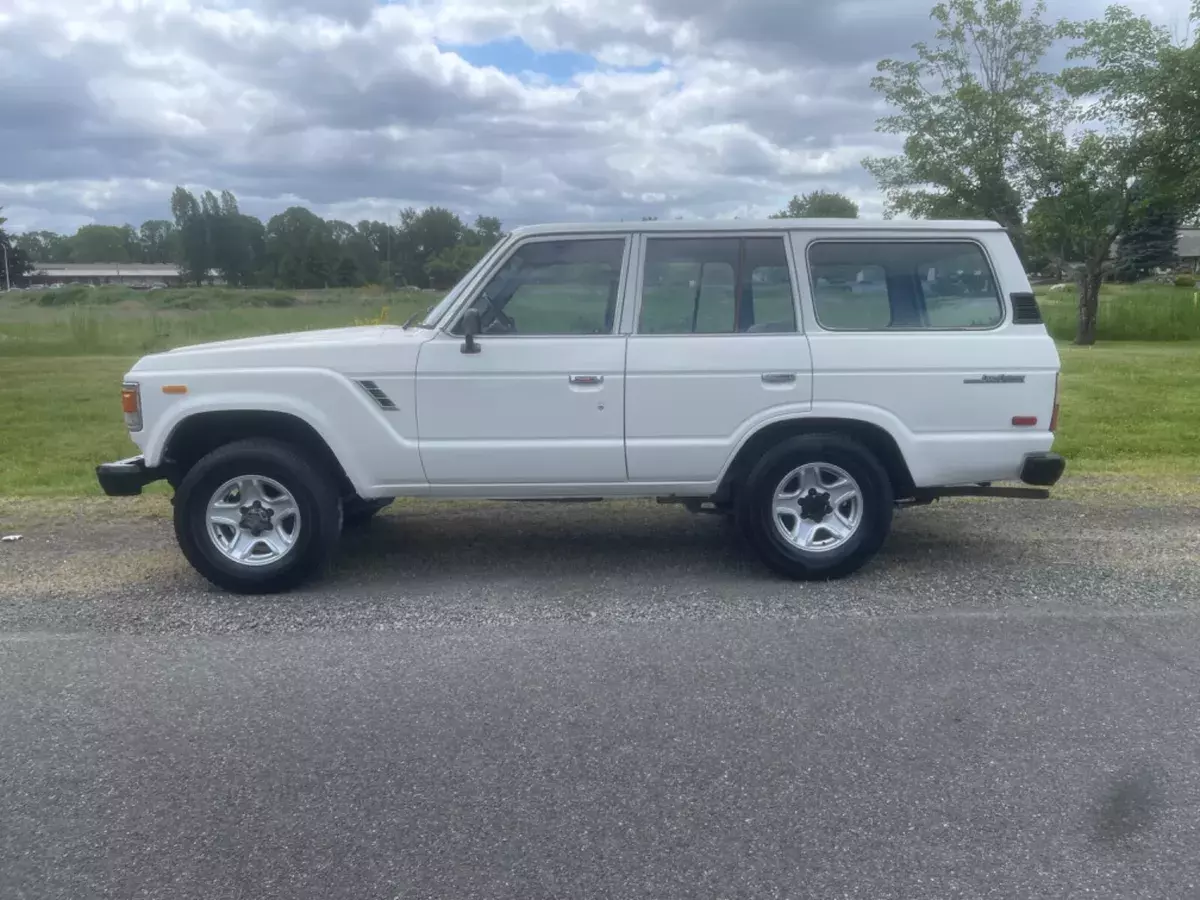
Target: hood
x=351 y=349
x=349 y=336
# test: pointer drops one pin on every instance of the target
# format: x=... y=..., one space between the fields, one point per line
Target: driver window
x=554 y=287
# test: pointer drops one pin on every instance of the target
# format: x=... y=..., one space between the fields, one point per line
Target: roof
x=763 y=225
x=99 y=270
x=1189 y=243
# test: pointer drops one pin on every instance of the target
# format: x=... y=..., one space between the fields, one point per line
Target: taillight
x=131 y=405
x=1054 y=415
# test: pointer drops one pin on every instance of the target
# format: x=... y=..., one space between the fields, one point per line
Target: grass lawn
x=1128 y=409
x=1128 y=312
x=122 y=322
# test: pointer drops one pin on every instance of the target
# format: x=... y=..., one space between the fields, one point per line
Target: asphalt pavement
x=531 y=701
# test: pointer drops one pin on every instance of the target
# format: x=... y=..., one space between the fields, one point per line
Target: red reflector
x=1025 y=421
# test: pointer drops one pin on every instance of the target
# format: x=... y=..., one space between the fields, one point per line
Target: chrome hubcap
x=253 y=520
x=818 y=507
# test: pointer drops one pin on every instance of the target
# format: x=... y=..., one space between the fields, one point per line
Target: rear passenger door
x=916 y=335
x=715 y=350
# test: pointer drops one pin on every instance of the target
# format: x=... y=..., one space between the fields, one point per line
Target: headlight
x=131 y=405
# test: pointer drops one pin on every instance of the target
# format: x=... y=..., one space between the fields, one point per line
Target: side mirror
x=471 y=327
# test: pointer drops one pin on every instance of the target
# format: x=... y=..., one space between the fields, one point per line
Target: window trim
x=639 y=281
x=454 y=315
x=906 y=329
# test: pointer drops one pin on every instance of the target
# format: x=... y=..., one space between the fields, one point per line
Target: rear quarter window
x=888 y=285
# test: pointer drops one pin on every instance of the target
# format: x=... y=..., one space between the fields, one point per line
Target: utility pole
x=7 y=283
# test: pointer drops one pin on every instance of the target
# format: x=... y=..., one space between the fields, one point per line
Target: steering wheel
x=506 y=323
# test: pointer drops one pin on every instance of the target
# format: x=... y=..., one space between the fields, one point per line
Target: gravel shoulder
x=105 y=567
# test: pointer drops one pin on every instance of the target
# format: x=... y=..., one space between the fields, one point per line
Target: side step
x=928 y=495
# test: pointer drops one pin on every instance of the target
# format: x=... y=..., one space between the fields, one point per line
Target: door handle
x=779 y=378
x=586 y=379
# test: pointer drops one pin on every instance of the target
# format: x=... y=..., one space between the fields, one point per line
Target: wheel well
x=874 y=438
x=202 y=433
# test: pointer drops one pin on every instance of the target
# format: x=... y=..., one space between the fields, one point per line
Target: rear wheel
x=816 y=506
x=257 y=516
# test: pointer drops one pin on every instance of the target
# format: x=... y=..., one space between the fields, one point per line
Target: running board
x=925 y=495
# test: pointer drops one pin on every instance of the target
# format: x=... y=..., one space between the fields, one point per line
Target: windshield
x=434 y=315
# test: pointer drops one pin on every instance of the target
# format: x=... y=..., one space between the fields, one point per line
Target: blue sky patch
x=514 y=56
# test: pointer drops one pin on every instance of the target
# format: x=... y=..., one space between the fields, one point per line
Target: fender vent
x=1025 y=309
x=385 y=402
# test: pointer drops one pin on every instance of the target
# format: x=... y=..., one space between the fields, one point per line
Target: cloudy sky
x=532 y=110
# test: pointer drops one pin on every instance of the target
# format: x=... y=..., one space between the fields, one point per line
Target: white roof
x=762 y=225
x=1189 y=243
x=85 y=270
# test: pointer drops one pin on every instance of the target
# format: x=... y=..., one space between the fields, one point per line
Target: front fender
x=343 y=415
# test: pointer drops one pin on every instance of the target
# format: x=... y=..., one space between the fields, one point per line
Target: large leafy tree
x=16 y=263
x=1151 y=241
x=1134 y=149
x=966 y=106
x=43 y=246
x=102 y=244
x=819 y=205
x=195 y=242
x=157 y=238
x=297 y=249
x=300 y=249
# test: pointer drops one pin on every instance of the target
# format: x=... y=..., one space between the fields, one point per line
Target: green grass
x=1128 y=410
x=1131 y=409
x=1139 y=312
x=120 y=321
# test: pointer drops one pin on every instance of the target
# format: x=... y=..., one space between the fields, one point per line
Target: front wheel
x=816 y=507
x=256 y=517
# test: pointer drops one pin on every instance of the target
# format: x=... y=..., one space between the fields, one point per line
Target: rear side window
x=882 y=285
x=716 y=286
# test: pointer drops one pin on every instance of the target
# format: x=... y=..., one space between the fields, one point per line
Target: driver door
x=543 y=401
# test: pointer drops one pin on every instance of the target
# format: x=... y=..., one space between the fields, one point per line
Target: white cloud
x=353 y=107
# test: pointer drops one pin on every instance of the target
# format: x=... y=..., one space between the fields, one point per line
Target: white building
x=131 y=274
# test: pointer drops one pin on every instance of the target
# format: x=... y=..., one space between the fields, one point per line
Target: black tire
x=756 y=507
x=314 y=491
x=357 y=512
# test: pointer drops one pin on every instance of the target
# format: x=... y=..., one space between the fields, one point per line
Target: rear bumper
x=1043 y=469
x=126 y=477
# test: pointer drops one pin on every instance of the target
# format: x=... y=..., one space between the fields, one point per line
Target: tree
x=195 y=246
x=157 y=240
x=100 y=244
x=43 y=246
x=819 y=205
x=452 y=263
x=300 y=249
x=489 y=230
x=13 y=257
x=966 y=106
x=237 y=241
x=1149 y=243
x=1130 y=155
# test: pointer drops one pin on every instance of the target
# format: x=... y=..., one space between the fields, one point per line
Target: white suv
x=806 y=376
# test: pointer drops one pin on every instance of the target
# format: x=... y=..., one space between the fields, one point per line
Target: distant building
x=130 y=274
x=1188 y=249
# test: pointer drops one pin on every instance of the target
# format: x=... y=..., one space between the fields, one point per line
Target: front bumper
x=126 y=477
x=1043 y=469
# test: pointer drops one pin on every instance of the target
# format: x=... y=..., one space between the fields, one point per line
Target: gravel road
x=528 y=701
x=432 y=565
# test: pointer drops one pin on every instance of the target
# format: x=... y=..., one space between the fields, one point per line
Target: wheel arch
x=198 y=434
x=874 y=437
